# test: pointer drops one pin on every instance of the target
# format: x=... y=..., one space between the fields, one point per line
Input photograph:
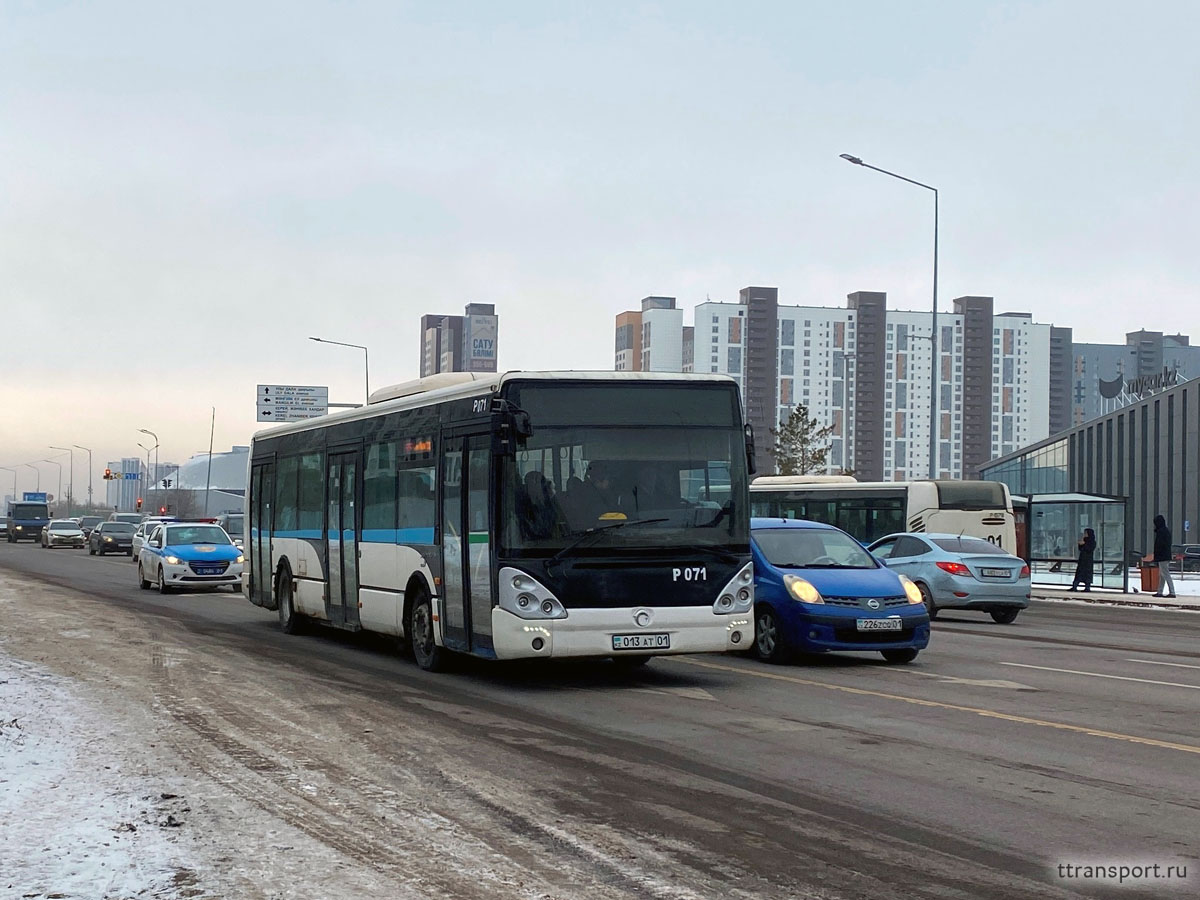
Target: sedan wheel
x=142 y=582
x=769 y=644
x=163 y=587
x=1005 y=615
x=927 y=597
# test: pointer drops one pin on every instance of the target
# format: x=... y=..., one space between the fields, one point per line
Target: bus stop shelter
x=1049 y=527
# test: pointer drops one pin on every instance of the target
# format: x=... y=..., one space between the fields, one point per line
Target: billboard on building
x=479 y=343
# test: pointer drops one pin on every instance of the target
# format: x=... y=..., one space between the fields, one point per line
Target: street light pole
x=71 y=483
x=146 y=486
x=57 y=463
x=934 y=379
x=39 y=477
x=366 y=361
x=157 y=468
x=89 y=453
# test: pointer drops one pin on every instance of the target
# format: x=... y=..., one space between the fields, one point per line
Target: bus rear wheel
x=426 y=652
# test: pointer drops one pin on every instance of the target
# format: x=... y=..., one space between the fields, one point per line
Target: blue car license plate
x=880 y=625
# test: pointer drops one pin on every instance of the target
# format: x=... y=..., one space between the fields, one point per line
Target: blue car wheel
x=769 y=642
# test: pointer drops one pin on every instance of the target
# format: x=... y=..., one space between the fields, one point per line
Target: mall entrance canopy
x=1049 y=527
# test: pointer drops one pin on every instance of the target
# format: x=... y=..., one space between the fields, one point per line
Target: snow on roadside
x=76 y=821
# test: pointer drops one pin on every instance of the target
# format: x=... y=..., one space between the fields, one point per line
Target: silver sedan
x=958 y=572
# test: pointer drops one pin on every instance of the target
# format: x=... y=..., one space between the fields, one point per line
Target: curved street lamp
x=933 y=339
x=366 y=361
x=71 y=482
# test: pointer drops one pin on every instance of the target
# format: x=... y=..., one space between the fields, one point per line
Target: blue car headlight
x=802 y=590
x=911 y=591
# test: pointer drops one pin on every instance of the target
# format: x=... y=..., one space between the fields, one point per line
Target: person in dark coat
x=1085 y=568
x=1162 y=556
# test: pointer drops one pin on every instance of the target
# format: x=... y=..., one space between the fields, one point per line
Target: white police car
x=186 y=555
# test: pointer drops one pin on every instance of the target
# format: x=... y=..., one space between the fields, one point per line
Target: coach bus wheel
x=290 y=622
x=927 y=597
x=429 y=655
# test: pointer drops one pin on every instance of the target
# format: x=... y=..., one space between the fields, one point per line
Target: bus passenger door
x=466 y=544
x=342 y=536
x=262 y=496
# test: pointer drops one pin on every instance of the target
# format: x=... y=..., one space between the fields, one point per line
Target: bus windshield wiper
x=724 y=555
x=591 y=534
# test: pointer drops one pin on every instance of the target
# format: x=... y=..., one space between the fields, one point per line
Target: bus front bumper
x=613 y=632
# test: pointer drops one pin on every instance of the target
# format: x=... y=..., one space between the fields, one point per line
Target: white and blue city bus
x=513 y=516
x=871 y=510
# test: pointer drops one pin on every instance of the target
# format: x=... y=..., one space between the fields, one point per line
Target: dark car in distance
x=111 y=537
x=87 y=523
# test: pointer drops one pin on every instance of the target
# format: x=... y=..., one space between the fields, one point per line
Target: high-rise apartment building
x=867 y=372
x=652 y=339
x=465 y=343
x=1101 y=372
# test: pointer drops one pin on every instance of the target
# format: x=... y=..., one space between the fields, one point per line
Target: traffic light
x=108 y=474
x=166 y=482
x=139 y=507
x=162 y=510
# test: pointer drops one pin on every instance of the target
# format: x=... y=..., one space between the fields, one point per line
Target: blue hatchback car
x=818 y=589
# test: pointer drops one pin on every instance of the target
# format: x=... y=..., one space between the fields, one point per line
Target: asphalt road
x=1071 y=736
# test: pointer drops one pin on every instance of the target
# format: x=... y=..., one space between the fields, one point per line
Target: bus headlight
x=523 y=595
x=738 y=595
x=911 y=591
x=802 y=590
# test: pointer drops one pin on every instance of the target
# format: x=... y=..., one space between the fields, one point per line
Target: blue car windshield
x=811 y=548
x=196 y=534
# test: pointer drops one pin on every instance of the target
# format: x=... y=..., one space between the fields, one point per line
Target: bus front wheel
x=426 y=652
x=290 y=622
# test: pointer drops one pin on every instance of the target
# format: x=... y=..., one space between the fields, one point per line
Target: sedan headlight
x=240 y=559
x=911 y=591
x=802 y=590
x=173 y=560
x=108 y=539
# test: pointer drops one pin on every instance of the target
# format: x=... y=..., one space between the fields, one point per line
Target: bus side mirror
x=510 y=427
x=750 y=467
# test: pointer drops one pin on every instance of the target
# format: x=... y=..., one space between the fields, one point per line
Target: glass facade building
x=1147 y=451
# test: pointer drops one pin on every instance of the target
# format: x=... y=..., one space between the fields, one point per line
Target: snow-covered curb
x=76 y=818
x=1116 y=600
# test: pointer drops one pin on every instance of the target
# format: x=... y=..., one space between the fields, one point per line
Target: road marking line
x=1155 y=662
x=1194 y=687
x=916 y=701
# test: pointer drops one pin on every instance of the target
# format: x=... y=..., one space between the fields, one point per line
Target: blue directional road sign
x=34 y=496
x=133 y=476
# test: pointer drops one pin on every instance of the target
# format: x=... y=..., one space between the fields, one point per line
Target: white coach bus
x=869 y=510
x=517 y=515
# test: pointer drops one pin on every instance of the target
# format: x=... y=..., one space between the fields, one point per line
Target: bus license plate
x=641 y=641
x=996 y=573
x=880 y=625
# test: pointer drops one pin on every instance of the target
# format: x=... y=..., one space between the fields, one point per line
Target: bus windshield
x=603 y=455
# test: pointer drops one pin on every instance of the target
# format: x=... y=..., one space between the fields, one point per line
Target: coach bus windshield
x=658 y=464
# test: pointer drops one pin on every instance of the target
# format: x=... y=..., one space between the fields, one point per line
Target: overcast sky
x=188 y=191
